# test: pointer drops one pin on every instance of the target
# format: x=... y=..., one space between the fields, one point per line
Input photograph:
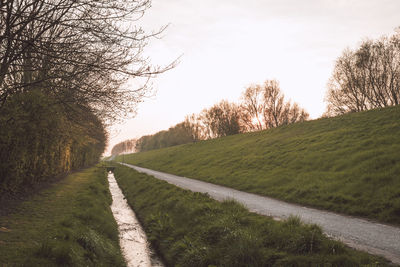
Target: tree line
x=261 y=107
x=124 y=146
x=63 y=69
x=367 y=77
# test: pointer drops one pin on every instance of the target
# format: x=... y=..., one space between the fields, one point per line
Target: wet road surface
x=362 y=234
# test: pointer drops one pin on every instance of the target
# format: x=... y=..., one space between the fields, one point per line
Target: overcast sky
x=227 y=45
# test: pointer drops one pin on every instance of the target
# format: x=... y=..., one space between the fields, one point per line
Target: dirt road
x=358 y=233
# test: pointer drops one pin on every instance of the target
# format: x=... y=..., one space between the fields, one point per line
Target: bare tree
x=196 y=127
x=253 y=106
x=277 y=111
x=124 y=146
x=366 y=78
x=222 y=119
x=79 y=52
x=297 y=114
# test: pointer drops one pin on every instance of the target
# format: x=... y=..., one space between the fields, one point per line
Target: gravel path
x=358 y=233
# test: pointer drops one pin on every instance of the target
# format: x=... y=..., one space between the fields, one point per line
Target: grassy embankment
x=68 y=224
x=191 y=229
x=348 y=164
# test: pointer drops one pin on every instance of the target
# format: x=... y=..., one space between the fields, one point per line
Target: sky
x=226 y=45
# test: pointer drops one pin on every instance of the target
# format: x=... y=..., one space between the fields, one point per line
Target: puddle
x=132 y=238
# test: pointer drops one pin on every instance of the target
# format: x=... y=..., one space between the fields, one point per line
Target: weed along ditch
x=191 y=229
x=133 y=241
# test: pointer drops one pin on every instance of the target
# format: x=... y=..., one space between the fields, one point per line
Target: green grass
x=348 y=164
x=191 y=229
x=68 y=224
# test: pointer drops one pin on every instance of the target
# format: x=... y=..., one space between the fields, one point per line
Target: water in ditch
x=132 y=238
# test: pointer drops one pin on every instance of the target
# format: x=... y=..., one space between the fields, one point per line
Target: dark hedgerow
x=191 y=229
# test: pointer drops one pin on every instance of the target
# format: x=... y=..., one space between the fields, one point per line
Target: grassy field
x=69 y=224
x=191 y=229
x=348 y=164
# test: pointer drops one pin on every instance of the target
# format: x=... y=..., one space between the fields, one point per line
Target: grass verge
x=348 y=164
x=68 y=224
x=191 y=229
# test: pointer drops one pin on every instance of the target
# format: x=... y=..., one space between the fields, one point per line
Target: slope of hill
x=191 y=229
x=348 y=164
